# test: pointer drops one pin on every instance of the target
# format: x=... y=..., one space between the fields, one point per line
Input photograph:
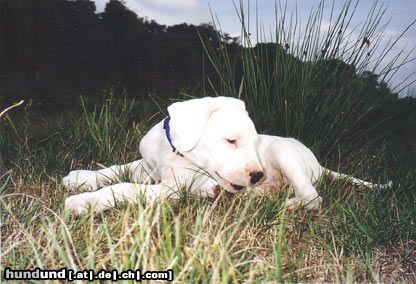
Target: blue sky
x=170 y=12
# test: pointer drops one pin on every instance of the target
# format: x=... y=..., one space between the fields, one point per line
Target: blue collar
x=167 y=133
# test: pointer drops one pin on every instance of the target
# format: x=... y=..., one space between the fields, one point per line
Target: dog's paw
x=83 y=180
x=310 y=204
x=78 y=204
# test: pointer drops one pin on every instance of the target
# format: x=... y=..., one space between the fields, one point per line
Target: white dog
x=203 y=143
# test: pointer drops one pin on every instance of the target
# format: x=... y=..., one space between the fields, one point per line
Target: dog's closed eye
x=232 y=141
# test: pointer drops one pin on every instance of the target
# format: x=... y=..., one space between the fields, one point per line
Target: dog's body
x=205 y=143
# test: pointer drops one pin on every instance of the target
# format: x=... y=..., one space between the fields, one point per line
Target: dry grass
x=227 y=239
x=396 y=262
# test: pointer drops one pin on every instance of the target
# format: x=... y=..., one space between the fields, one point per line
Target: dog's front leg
x=108 y=196
x=305 y=193
x=306 y=197
x=92 y=180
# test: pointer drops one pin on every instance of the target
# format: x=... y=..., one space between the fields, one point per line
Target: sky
x=400 y=13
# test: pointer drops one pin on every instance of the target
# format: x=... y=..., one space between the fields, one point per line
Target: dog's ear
x=188 y=119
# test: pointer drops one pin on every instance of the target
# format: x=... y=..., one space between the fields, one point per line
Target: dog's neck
x=168 y=137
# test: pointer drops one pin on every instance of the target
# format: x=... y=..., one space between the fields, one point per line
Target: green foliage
x=110 y=132
x=231 y=239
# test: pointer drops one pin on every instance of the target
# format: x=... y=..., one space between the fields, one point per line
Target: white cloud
x=167 y=12
x=166 y=4
x=100 y=5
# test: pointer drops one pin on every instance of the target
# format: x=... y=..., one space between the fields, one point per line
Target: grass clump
x=327 y=87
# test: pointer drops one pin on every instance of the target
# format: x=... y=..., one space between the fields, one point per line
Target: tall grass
x=107 y=131
x=314 y=82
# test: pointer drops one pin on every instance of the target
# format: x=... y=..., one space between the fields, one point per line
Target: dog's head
x=217 y=135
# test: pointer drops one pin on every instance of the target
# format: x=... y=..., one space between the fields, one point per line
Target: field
x=358 y=235
x=321 y=88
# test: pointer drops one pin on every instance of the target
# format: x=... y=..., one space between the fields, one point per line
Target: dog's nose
x=255 y=177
